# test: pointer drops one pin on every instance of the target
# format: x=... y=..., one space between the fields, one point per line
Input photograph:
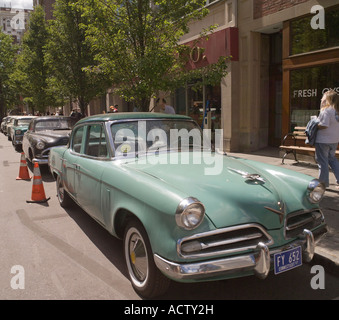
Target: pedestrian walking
x=327 y=138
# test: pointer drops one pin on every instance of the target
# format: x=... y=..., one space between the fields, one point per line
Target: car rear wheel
x=63 y=197
x=145 y=277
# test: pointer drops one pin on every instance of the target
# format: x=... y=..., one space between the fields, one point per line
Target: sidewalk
x=327 y=249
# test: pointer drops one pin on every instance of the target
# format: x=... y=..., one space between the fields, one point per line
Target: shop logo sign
x=318 y=21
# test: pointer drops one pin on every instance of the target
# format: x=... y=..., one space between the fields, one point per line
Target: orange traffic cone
x=38 y=192
x=23 y=171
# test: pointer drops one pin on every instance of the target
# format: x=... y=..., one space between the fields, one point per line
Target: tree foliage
x=68 y=54
x=137 y=45
x=7 y=60
x=30 y=74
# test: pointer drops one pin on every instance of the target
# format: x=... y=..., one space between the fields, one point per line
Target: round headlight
x=190 y=213
x=40 y=145
x=316 y=191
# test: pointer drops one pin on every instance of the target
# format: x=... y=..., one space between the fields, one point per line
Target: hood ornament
x=248 y=176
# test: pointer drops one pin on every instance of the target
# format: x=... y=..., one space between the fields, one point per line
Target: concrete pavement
x=327 y=250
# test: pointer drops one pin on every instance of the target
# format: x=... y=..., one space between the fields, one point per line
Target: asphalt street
x=65 y=255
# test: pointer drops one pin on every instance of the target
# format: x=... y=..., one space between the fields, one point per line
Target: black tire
x=146 y=278
x=63 y=197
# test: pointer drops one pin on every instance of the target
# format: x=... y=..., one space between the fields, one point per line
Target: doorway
x=275 y=90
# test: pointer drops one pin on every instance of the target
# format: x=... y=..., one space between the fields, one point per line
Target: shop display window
x=307 y=86
x=306 y=39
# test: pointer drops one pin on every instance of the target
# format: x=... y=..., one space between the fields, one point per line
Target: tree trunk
x=83 y=106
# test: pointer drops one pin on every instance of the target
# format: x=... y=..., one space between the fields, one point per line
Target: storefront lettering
x=306 y=93
x=328 y=89
x=310 y=93
x=318 y=21
x=196 y=54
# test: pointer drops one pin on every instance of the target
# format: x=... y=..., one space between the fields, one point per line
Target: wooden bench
x=294 y=142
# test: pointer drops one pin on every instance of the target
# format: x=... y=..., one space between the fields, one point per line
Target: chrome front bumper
x=43 y=157
x=40 y=160
x=258 y=263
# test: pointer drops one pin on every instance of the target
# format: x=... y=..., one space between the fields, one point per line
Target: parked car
x=16 y=131
x=44 y=133
x=9 y=126
x=3 y=123
x=185 y=212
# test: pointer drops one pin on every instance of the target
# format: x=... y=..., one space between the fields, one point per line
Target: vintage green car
x=184 y=211
x=19 y=127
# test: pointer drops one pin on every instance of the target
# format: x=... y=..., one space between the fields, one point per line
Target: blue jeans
x=325 y=156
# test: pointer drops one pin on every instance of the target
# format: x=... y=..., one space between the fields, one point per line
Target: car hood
x=22 y=128
x=234 y=191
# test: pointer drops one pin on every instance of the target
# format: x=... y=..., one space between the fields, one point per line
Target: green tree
x=30 y=74
x=137 y=45
x=7 y=60
x=68 y=54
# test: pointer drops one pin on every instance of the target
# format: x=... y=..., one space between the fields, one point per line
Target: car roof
x=44 y=118
x=132 y=116
x=25 y=117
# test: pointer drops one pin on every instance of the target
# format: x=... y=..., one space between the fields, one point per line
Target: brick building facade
x=262 y=8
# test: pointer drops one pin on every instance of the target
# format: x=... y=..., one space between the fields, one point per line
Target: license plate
x=287 y=260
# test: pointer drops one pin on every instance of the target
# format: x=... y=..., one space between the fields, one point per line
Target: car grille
x=223 y=241
x=298 y=221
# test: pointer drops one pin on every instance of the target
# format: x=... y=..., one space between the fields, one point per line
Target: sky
x=20 y=4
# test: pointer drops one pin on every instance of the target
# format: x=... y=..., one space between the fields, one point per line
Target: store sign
x=305 y=93
x=328 y=89
x=197 y=53
x=223 y=43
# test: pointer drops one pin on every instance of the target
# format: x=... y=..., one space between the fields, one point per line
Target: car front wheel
x=145 y=277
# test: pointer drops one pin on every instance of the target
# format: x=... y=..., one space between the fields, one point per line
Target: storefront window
x=305 y=39
x=307 y=88
x=194 y=106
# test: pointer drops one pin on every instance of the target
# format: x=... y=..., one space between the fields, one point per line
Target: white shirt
x=330 y=134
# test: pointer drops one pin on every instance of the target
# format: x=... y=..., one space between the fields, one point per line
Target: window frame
x=85 y=138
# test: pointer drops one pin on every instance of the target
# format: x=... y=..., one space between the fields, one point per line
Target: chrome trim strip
x=197 y=236
x=317 y=215
x=301 y=212
x=230 y=241
x=258 y=263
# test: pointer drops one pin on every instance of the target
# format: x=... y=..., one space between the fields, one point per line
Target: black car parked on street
x=43 y=134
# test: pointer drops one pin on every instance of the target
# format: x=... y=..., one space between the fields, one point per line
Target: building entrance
x=275 y=90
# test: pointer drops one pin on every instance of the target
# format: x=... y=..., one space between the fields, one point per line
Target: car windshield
x=53 y=124
x=23 y=122
x=135 y=137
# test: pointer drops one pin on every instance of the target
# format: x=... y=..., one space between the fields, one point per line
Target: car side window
x=96 y=145
x=77 y=139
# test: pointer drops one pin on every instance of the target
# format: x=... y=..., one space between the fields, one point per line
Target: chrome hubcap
x=137 y=257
